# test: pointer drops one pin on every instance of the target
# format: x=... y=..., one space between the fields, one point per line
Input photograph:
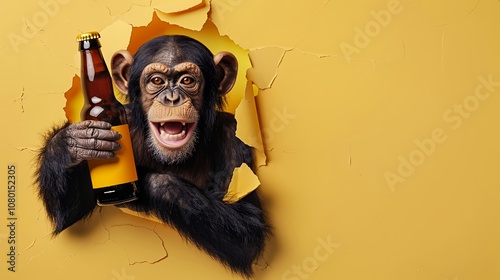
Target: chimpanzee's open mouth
x=172 y=134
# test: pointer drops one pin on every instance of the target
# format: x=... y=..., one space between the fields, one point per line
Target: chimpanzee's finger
x=91 y=124
x=84 y=154
x=93 y=129
x=92 y=144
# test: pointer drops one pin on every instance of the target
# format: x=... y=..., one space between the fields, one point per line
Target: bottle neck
x=96 y=80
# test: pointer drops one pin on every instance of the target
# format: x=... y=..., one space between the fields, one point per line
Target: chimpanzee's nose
x=172 y=98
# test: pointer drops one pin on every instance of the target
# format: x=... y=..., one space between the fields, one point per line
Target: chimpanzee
x=184 y=145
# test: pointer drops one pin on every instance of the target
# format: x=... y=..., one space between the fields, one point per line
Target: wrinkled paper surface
x=374 y=126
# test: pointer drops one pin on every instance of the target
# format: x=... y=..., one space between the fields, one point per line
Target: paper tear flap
x=248 y=129
x=265 y=63
x=193 y=20
x=176 y=5
x=242 y=183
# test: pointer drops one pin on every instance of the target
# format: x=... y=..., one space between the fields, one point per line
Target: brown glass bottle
x=113 y=180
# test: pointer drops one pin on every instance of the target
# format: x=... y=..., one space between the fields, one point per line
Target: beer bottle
x=113 y=180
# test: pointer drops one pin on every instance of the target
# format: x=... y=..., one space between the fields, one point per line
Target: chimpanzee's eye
x=187 y=80
x=157 y=81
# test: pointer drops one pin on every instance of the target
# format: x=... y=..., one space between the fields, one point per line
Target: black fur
x=187 y=195
x=66 y=192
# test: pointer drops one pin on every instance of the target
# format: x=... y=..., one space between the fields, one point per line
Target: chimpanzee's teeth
x=183 y=123
x=172 y=137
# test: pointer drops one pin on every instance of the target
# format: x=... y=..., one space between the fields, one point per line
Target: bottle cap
x=88 y=36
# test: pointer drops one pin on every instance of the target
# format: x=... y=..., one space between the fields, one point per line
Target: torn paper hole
x=240 y=99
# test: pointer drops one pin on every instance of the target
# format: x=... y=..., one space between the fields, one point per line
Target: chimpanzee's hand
x=90 y=140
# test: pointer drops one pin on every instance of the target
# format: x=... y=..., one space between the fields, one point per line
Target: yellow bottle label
x=118 y=170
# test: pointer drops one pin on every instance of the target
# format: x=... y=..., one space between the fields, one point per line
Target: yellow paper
x=242 y=183
x=248 y=129
x=265 y=64
x=193 y=20
x=175 y=6
x=379 y=122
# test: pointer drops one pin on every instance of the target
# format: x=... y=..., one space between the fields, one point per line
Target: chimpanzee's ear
x=121 y=62
x=227 y=69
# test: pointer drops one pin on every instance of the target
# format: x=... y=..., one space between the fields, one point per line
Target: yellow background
x=348 y=97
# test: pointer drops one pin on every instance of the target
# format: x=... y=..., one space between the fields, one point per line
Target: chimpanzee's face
x=178 y=83
x=172 y=97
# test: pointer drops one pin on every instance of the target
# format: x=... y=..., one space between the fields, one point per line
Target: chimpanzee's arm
x=233 y=233
x=66 y=192
x=62 y=173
